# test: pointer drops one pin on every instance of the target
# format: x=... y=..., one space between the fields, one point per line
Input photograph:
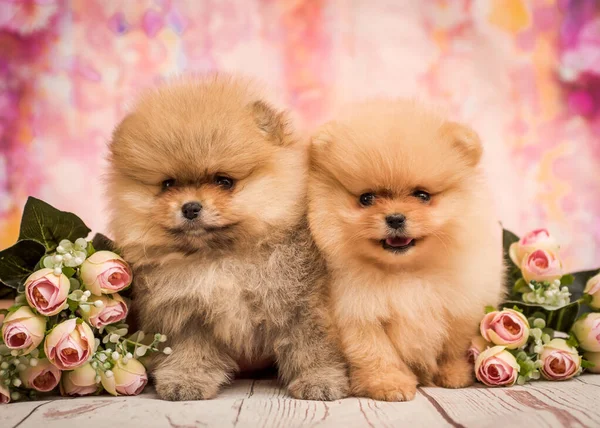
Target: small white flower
x=87 y=293
x=60 y=249
x=57 y=259
x=106 y=365
x=57 y=271
x=4 y=365
x=78 y=261
x=98 y=303
x=83 y=298
x=14 y=352
x=115 y=355
x=33 y=362
x=114 y=338
x=125 y=360
x=163 y=338
x=15 y=396
x=108 y=373
x=68 y=256
x=141 y=351
x=537 y=349
x=2 y=372
x=102 y=357
x=81 y=243
x=167 y=351
x=129 y=356
x=21 y=367
x=17 y=382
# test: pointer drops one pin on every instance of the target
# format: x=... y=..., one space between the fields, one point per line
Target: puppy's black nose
x=395 y=221
x=191 y=210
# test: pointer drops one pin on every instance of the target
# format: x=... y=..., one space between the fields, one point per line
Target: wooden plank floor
x=261 y=403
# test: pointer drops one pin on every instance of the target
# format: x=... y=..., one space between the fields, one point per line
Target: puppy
x=208 y=187
x=399 y=208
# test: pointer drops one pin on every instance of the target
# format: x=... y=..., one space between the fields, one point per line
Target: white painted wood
x=262 y=403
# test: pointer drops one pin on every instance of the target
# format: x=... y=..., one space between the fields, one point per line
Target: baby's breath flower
x=167 y=351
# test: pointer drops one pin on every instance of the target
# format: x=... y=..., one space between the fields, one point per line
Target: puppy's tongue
x=398 y=242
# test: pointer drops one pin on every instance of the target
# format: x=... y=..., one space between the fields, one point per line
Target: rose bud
x=126 y=379
x=81 y=381
x=70 y=344
x=496 y=367
x=4 y=394
x=594 y=358
x=478 y=345
x=47 y=292
x=23 y=330
x=42 y=377
x=113 y=310
x=559 y=360
x=539 y=239
x=592 y=289
x=541 y=265
x=587 y=331
x=105 y=272
x=507 y=328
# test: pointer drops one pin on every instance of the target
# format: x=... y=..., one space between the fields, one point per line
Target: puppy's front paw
x=391 y=386
x=178 y=387
x=455 y=374
x=320 y=387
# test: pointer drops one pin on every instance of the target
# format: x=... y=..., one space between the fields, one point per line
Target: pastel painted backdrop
x=525 y=74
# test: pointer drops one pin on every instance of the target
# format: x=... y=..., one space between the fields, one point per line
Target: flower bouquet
x=547 y=327
x=67 y=328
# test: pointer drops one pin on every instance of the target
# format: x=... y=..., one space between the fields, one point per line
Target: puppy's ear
x=463 y=139
x=272 y=123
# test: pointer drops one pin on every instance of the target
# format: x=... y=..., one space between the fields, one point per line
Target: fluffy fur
x=243 y=283
x=406 y=314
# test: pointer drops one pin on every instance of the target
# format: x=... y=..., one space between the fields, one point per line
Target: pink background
x=524 y=74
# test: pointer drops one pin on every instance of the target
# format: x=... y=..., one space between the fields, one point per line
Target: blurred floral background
x=524 y=74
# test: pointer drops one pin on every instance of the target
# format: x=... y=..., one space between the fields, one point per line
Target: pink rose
x=541 y=265
x=560 y=361
x=23 y=330
x=496 y=367
x=594 y=358
x=539 y=239
x=113 y=310
x=478 y=345
x=507 y=328
x=47 y=292
x=105 y=272
x=70 y=344
x=592 y=289
x=42 y=377
x=81 y=381
x=126 y=379
x=587 y=331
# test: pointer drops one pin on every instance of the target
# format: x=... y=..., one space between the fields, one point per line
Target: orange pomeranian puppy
x=399 y=208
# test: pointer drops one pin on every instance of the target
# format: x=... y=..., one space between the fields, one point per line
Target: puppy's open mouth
x=397 y=244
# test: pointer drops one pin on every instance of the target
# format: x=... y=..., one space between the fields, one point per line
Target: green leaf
x=572 y=341
x=567 y=279
x=68 y=271
x=102 y=243
x=587 y=364
x=521 y=287
x=513 y=272
x=18 y=262
x=489 y=309
x=45 y=224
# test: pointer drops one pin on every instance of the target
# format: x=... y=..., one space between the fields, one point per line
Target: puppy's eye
x=168 y=183
x=224 y=182
x=422 y=195
x=367 y=199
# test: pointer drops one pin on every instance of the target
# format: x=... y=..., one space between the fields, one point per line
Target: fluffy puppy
x=398 y=206
x=208 y=189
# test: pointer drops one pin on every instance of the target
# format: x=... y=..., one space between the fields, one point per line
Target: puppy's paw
x=455 y=374
x=391 y=386
x=179 y=387
x=321 y=388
